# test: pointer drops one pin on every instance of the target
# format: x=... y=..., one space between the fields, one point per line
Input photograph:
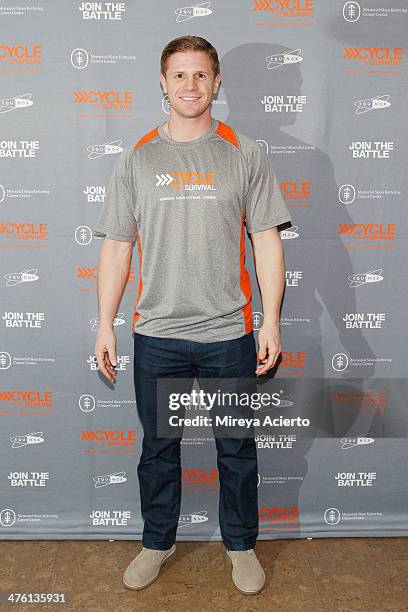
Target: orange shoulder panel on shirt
x=225 y=131
x=154 y=132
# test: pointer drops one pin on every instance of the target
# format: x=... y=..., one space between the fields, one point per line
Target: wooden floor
x=344 y=574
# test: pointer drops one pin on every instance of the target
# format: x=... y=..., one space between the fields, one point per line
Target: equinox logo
x=21 y=101
x=374 y=276
x=191 y=519
x=26 y=276
x=108 y=148
x=197 y=10
x=104 y=481
x=281 y=59
x=363 y=106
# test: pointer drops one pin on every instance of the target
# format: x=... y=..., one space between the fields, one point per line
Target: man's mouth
x=190 y=98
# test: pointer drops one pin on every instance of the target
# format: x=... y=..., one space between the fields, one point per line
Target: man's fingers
x=265 y=366
x=270 y=362
x=105 y=363
x=110 y=361
x=262 y=350
x=105 y=371
x=112 y=355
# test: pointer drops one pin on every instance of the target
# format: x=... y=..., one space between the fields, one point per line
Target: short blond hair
x=189 y=43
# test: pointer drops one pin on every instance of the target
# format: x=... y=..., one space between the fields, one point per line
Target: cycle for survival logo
x=363 y=59
x=187 y=180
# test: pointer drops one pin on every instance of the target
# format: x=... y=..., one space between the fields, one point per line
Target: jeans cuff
x=243 y=547
x=154 y=546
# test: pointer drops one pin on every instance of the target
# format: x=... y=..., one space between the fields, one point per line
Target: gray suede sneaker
x=145 y=568
x=247 y=573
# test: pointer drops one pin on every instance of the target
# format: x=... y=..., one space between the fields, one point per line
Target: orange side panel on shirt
x=139 y=293
x=245 y=282
x=136 y=315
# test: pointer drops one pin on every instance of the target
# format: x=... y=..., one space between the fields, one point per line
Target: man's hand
x=105 y=352
x=269 y=347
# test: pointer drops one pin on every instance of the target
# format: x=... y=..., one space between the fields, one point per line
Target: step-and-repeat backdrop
x=321 y=85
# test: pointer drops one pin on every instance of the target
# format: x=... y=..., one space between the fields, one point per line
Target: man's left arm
x=265 y=210
x=270 y=271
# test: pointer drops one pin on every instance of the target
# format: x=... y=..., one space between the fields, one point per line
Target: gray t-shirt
x=186 y=205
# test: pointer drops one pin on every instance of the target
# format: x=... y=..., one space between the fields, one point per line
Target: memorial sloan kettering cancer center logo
x=187 y=181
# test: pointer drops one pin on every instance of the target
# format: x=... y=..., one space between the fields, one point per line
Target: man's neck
x=181 y=129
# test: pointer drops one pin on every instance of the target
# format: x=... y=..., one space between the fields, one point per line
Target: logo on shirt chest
x=187 y=181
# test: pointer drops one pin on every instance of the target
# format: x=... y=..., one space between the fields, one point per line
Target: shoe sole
x=138 y=588
x=241 y=591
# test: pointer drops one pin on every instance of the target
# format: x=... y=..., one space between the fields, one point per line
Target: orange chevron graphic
x=84 y=272
x=87 y=272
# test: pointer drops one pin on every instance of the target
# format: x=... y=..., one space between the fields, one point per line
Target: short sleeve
x=264 y=203
x=116 y=219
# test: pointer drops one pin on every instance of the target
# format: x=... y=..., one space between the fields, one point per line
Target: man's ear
x=163 y=83
x=217 y=83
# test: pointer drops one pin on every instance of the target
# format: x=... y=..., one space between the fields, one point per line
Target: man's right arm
x=113 y=271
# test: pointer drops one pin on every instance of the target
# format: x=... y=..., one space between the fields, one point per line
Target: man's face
x=189 y=82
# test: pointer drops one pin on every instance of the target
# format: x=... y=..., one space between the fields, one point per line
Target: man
x=185 y=192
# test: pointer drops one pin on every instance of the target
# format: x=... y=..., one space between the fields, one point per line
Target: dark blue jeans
x=159 y=469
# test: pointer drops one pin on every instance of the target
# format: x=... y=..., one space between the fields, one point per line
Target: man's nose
x=191 y=82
